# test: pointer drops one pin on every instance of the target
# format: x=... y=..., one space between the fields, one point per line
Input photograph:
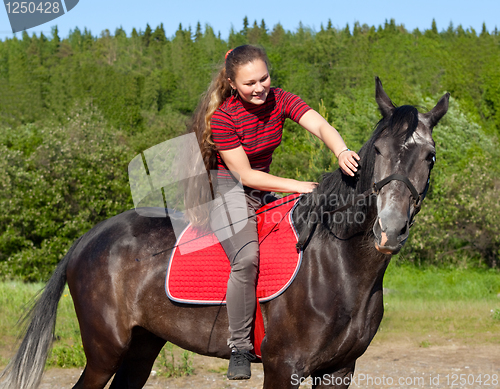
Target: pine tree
x=245 y=26
x=120 y=32
x=55 y=41
x=263 y=26
x=278 y=35
x=146 y=38
x=75 y=39
x=347 y=30
x=159 y=35
x=484 y=31
x=434 y=26
x=450 y=31
x=88 y=39
x=198 y=34
x=253 y=34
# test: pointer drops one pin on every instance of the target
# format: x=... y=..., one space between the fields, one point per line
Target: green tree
x=146 y=37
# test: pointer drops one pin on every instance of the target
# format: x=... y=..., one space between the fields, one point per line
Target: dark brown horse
x=318 y=327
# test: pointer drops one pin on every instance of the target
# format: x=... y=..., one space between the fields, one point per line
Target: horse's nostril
x=404 y=230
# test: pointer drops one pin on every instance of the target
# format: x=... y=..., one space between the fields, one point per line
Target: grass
x=167 y=366
x=435 y=306
x=15 y=299
x=426 y=307
x=67 y=350
x=432 y=283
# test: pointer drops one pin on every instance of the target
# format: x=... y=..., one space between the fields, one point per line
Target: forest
x=75 y=110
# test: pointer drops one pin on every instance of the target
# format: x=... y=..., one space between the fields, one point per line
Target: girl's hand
x=306 y=186
x=348 y=162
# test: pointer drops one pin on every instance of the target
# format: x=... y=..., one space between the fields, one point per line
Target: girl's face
x=252 y=82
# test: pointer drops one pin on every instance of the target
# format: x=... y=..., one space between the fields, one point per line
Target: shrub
x=56 y=182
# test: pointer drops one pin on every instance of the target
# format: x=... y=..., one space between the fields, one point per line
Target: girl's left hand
x=348 y=162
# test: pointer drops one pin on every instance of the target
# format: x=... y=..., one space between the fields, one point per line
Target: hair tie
x=228 y=53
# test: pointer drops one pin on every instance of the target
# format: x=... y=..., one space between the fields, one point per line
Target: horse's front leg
x=281 y=374
x=333 y=378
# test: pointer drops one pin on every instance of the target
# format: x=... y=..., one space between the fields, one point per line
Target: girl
x=239 y=124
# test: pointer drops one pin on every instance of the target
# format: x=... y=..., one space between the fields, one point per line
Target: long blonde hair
x=218 y=91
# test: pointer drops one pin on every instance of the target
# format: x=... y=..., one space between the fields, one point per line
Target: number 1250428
x=31 y=7
x=471 y=379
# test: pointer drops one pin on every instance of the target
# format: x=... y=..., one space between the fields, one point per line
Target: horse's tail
x=26 y=367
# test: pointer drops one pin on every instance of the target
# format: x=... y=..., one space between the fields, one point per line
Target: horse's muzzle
x=390 y=233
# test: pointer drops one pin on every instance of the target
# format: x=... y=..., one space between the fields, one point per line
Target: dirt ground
x=382 y=366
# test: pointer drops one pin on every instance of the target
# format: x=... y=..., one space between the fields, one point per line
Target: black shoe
x=239 y=365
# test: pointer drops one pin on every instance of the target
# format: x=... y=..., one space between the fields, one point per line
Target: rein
x=306 y=234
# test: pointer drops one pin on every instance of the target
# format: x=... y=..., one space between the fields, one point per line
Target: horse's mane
x=336 y=188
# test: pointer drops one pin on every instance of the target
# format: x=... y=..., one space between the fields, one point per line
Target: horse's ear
x=385 y=104
x=436 y=113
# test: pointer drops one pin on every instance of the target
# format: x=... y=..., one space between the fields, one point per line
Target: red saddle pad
x=200 y=276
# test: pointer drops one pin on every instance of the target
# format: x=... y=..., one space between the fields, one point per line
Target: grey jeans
x=234 y=222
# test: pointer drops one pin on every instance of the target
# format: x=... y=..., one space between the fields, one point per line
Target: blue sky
x=98 y=15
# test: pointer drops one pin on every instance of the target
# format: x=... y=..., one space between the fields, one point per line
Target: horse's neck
x=353 y=269
x=319 y=209
x=344 y=245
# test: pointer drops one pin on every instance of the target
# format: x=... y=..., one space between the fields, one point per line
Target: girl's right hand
x=306 y=186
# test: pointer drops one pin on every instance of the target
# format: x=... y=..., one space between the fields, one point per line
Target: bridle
x=417 y=198
x=306 y=234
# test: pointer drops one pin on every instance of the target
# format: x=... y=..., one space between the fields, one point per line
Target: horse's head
x=404 y=157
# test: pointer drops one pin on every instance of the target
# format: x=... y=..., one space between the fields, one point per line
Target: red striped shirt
x=257 y=128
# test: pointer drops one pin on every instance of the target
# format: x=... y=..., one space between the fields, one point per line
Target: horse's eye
x=377 y=151
x=431 y=158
